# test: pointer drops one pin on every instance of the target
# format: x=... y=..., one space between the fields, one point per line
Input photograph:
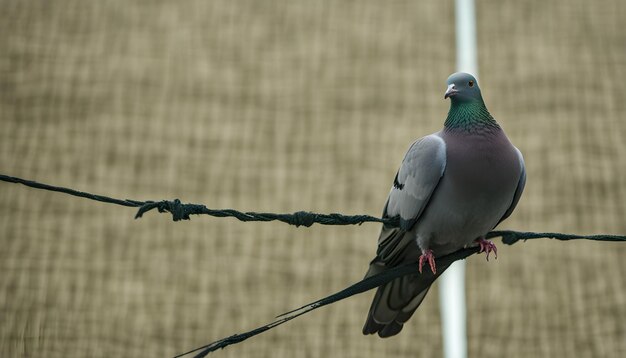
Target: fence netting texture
x=284 y=106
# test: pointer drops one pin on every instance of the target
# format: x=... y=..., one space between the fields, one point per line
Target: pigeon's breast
x=478 y=185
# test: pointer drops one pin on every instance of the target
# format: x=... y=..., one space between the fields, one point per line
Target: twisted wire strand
x=182 y=211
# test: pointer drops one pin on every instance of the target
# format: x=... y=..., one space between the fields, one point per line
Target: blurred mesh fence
x=283 y=106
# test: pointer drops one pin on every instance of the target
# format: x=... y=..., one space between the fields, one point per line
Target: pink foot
x=487 y=246
x=427 y=255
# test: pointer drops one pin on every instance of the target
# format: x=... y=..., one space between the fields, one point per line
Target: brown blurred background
x=283 y=106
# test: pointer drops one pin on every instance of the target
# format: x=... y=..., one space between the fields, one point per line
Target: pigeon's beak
x=451 y=91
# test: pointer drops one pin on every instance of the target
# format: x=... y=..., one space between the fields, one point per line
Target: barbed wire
x=181 y=211
x=508 y=237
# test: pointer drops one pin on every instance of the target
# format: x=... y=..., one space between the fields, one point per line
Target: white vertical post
x=452 y=282
x=466 y=55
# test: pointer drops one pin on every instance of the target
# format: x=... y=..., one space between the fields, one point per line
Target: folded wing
x=415 y=182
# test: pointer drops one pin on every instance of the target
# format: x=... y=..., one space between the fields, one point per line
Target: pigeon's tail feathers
x=396 y=301
x=393 y=305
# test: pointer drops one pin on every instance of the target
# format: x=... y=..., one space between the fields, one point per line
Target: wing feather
x=416 y=180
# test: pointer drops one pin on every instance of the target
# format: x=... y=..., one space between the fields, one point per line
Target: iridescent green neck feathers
x=470 y=116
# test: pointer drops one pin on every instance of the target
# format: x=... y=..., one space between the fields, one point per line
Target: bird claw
x=488 y=247
x=427 y=255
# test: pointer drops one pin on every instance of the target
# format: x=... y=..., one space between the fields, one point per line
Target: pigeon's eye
x=471 y=83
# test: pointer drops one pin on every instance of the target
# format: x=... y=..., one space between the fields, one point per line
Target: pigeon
x=452 y=188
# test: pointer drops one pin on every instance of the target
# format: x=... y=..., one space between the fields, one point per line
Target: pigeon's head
x=462 y=87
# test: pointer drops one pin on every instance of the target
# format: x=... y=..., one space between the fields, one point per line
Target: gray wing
x=416 y=180
x=518 y=191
